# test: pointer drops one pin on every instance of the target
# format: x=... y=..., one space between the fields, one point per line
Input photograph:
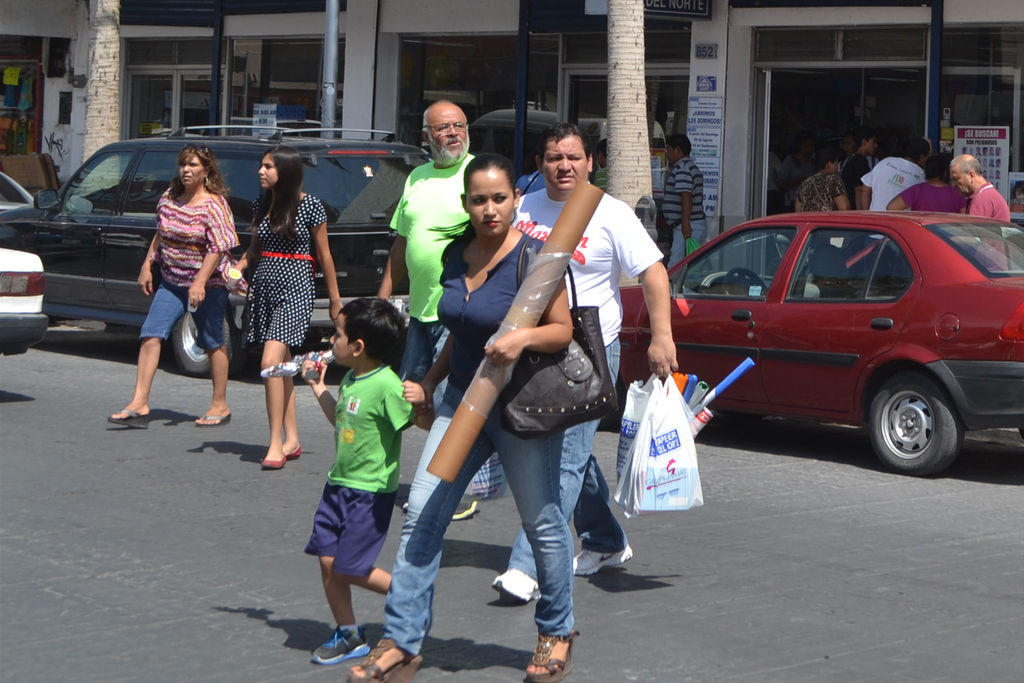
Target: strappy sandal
x=401 y=671
x=556 y=669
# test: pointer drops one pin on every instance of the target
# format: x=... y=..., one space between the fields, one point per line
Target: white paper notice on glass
x=990 y=145
x=264 y=115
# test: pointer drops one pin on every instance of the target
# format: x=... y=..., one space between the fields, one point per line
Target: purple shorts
x=351 y=526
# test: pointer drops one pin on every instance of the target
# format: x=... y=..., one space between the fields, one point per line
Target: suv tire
x=913 y=426
x=192 y=360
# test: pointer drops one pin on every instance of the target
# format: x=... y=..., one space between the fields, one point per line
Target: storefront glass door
x=827 y=102
x=586 y=103
x=159 y=103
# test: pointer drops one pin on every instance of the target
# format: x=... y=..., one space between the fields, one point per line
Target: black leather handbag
x=550 y=392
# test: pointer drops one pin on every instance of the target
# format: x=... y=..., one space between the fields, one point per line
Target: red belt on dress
x=299 y=257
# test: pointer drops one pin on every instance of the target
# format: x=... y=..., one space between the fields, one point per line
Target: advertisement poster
x=1016 y=198
x=990 y=145
x=704 y=128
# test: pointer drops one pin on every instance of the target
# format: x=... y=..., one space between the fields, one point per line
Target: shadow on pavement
x=246 y=452
x=11 y=397
x=463 y=553
x=994 y=456
x=625 y=582
x=301 y=634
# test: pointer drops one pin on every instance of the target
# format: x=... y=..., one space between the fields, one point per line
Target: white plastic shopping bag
x=637 y=396
x=662 y=472
x=489 y=481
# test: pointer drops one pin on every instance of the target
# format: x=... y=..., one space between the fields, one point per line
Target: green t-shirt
x=428 y=216
x=368 y=424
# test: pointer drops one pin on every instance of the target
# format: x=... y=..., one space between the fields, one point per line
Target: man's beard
x=443 y=158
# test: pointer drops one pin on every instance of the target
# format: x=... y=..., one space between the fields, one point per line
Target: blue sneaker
x=343 y=645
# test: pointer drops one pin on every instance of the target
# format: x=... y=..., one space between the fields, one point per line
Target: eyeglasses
x=202 y=149
x=457 y=126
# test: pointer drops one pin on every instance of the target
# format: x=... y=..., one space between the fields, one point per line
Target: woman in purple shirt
x=935 y=193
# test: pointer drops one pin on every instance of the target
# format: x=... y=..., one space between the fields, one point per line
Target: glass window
x=838 y=264
x=151 y=179
x=659 y=47
x=478 y=73
x=981 y=81
x=352 y=187
x=995 y=250
x=285 y=72
x=851 y=44
x=165 y=52
x=96 y=188
x=742 y=266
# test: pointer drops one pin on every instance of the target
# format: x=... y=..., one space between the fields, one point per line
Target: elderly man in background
x=428 y=216
x=982 y=198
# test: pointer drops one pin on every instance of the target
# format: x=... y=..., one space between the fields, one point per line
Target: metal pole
x=218 y=57
x=935 y=74
x=522 y=68
x=329 y=99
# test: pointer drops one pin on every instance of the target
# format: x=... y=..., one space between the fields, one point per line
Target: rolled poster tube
x=546 y=271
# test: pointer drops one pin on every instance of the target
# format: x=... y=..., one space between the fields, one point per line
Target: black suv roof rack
x=278 y=132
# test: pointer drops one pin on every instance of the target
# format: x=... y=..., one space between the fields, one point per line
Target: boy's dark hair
x=679 y=141
x=378 y=324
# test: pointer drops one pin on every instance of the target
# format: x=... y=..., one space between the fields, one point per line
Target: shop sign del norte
x=666 y=9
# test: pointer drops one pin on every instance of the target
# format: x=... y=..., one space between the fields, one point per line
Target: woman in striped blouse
x=195 y=230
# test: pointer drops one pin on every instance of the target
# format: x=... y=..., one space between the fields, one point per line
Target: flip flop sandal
x=556 y=669
x=134 y=420
x=218 y=420
x=400 y=672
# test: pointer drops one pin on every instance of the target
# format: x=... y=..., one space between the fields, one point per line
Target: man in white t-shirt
x=892 y=175
x=614 y=244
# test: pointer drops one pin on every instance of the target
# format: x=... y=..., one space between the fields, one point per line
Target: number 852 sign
x=705 y=51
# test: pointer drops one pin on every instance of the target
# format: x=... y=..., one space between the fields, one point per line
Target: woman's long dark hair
x=281 y=202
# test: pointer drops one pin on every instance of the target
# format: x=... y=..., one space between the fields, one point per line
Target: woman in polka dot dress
x=288 y=225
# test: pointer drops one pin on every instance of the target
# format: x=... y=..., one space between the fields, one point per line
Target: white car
x=22 y=322
x=12 y=195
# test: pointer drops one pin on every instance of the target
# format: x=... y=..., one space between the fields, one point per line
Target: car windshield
x=995 y=250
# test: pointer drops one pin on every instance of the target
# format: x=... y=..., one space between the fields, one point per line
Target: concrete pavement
x=167 y=555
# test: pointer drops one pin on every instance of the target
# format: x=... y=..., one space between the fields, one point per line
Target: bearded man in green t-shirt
x=429 y=215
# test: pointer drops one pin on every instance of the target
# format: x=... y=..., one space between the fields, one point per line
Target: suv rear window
x=357 y=189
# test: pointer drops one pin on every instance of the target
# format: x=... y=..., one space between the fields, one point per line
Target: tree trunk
x=629 y=155
x=103 y=106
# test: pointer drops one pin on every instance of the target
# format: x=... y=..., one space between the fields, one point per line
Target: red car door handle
x=741 y=314
x=881 y=323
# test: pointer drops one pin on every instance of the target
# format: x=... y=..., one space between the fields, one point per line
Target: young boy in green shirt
x=351 y=522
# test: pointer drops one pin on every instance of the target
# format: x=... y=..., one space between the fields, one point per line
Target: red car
x=910 y=324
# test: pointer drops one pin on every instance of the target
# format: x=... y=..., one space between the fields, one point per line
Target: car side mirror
x=45 y=199
x=647 y=211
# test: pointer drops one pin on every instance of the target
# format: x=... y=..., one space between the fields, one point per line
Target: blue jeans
x=531 y=467
x=583 y=492
x=170 y=303
x=698 y=231
x=423 y=342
